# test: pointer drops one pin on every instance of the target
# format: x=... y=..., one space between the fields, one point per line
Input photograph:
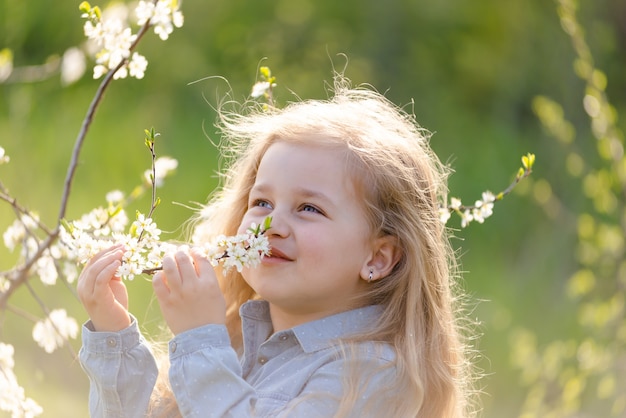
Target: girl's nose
x=279 y=226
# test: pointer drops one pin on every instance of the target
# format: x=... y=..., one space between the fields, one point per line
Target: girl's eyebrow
x=314 y=194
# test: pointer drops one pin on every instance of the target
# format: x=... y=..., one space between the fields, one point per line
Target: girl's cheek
x=244 y=224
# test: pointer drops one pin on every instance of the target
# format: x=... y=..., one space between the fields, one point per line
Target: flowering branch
x=239 y=251
x=154 y=13
x=483 y=208
x=40 y=252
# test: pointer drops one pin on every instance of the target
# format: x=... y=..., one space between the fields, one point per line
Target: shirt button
x=111 y=342
x=262 y=360
x=283 y=337
x=173 y=346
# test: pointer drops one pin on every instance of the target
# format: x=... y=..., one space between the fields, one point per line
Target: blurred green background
x=469 y=70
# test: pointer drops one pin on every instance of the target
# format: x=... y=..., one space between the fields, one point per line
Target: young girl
x=352 y=314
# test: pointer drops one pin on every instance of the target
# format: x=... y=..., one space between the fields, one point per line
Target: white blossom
x=46 y=270
x=164 y=16
x=16 y=232
x=163 y=167
x=455 y=203
x=137 y=66
x=3 y=157
x=53 y=331
x=466 y=218
x=444 y=215
x=114 y=197
x=6 y=356
x=12 y=397
x=259 y=89
x=73 y=66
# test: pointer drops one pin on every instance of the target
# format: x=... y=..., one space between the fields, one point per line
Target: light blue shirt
x=295 y=372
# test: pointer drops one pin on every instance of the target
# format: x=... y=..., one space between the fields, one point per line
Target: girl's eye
x=261 y=203
x=310 y=208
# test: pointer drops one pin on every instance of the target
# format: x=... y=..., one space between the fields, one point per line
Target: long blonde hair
x=402 y=183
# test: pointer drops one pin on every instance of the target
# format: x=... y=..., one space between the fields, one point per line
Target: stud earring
x=371 y=276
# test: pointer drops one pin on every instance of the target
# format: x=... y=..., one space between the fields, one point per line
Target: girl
x=352 y=314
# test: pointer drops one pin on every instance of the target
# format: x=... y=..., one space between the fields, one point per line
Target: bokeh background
x=469 y=70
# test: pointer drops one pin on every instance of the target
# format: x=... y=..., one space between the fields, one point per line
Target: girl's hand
x=188 y=292
x=102 y=294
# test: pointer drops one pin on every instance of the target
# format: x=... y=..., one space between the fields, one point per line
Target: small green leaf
x=528 y=160
x=84 y=7
x=137 y=191
x=68 y=226
x=117 y=209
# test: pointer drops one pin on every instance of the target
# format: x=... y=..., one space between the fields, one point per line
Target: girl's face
x=320 y=238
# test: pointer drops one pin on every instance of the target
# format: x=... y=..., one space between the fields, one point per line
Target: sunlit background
x=469 y=70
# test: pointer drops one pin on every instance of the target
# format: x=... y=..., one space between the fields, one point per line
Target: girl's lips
x=277 y=254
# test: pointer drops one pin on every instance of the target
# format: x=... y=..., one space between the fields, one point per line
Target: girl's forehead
x=320 y=158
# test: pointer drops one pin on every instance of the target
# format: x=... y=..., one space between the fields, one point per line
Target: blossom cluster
x=113 y=39
x=164 y=15
x=12 y=398
x=239 y=251
x=481 y=210
x=52 y=332
x=143 y=250
x=103 y=227
x=22 y=234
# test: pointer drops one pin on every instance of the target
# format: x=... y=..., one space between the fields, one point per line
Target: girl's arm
x=120 y=367
x=121 y=370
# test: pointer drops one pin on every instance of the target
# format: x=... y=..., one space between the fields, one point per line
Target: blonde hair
x=402 y=183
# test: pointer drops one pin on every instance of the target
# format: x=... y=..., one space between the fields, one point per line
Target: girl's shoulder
x=381 y=351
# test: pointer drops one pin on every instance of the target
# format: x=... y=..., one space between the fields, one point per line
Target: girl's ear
x=385 y=255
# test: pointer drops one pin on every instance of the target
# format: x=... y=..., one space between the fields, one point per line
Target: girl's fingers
x=160 y=286
x=104 y=277
x=171 y=272
x=201 y=263
x=104 y=260
x=186 y=267
x=99 y=256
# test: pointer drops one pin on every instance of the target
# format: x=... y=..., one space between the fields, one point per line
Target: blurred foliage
x=585 y=375
x=476 y=73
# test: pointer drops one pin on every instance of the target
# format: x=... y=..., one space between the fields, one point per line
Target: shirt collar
x=322 y=333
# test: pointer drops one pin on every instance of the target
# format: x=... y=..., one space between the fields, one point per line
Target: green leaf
x=68 y=226
x=84 y=7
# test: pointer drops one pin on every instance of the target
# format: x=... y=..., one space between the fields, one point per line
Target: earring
x=371 y=276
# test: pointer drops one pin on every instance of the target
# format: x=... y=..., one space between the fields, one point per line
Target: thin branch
x=87 y=124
